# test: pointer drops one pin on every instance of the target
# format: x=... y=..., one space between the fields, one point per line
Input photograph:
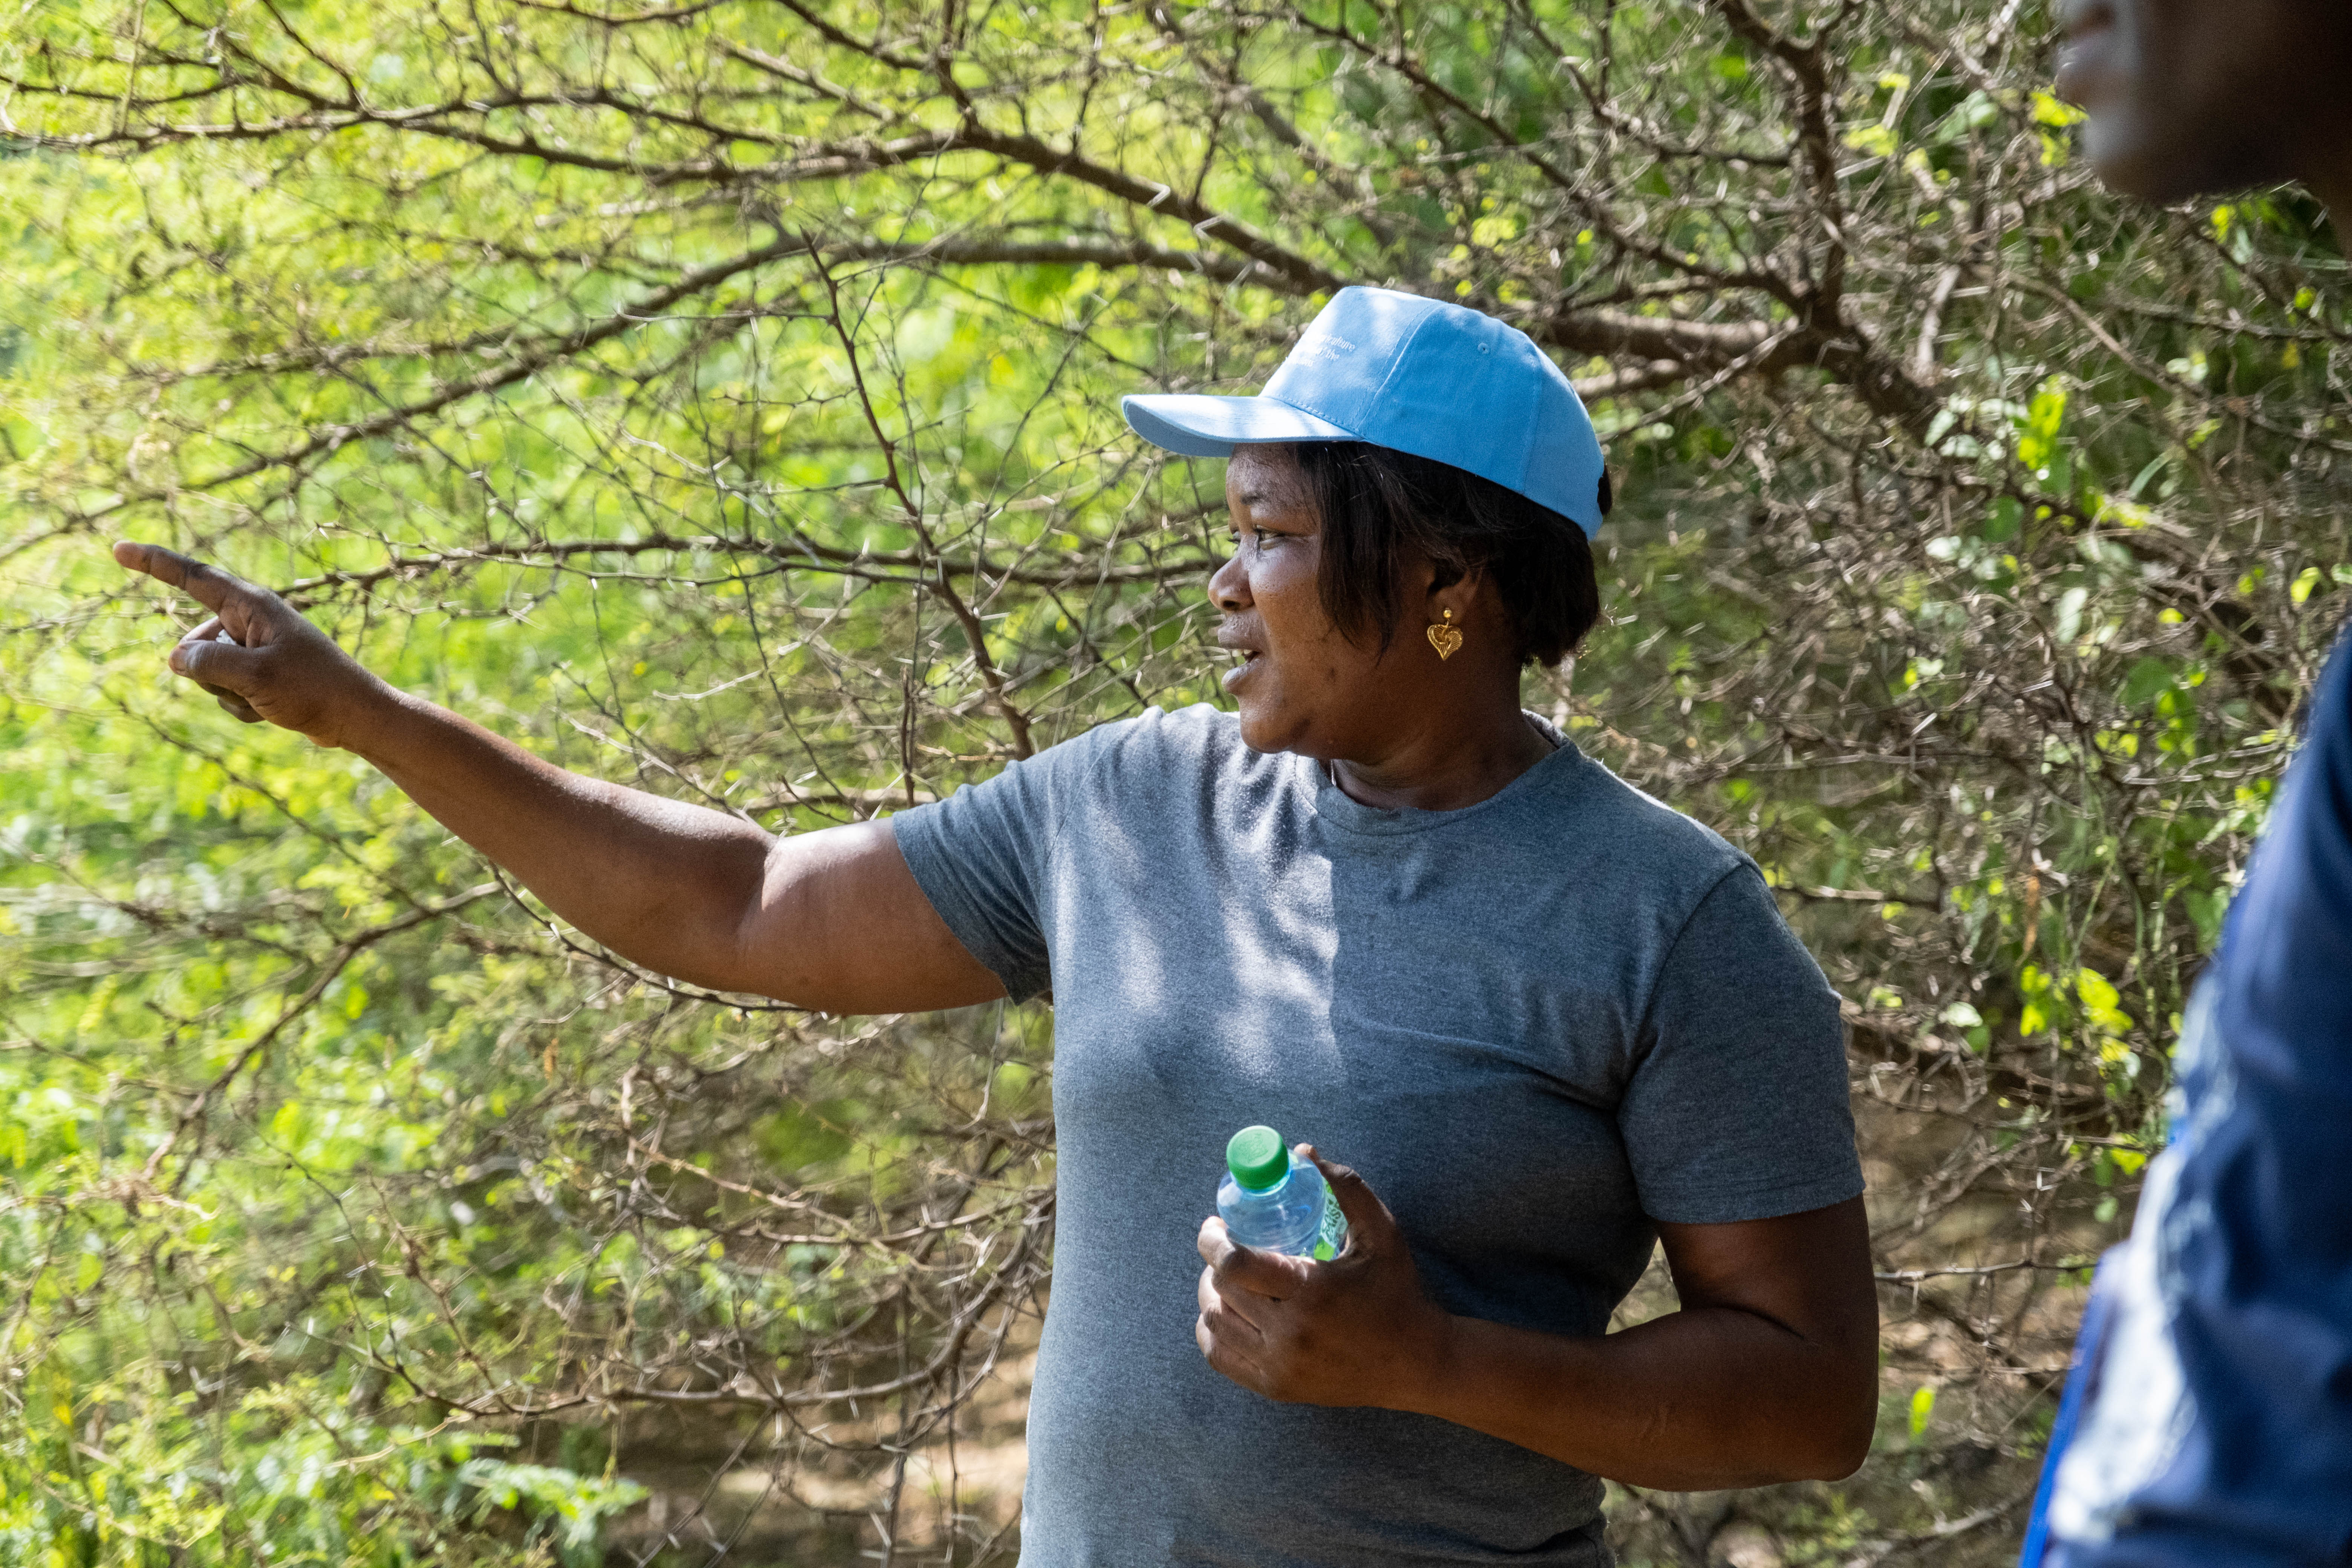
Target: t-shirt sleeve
x=1737 y=1106
x=983 y=858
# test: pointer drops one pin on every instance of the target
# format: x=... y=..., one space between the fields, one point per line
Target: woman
x=1379 y=907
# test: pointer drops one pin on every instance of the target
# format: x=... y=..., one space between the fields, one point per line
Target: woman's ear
x=1457 y=586
x=1460 y=582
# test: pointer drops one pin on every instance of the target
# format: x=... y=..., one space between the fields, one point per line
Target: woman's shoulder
x=1161 y=737
x=1167 y=782
x=1184 y=749
x=1622 y=829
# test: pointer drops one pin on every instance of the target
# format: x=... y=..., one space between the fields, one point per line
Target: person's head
x=2188 y=97
x=1346 y=553
x=1411 y=461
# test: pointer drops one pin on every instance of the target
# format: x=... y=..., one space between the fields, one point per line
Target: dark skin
x=1767 y=1374
x=2194 y=97
x=1400 y=727
x=2190 y=98
x=830 y=921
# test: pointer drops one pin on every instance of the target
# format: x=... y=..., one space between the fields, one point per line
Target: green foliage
x=724 y=401
x=1923 y=1406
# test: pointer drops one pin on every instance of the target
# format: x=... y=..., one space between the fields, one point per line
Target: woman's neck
x=1457 y=760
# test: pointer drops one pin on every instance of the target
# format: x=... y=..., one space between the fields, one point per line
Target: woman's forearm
x=1769 y=1372
x=663 y=883
x=1703 y=1399
x=832 y=920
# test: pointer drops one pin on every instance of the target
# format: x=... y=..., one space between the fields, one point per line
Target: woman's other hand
x=1356 y=1330
x=257 y=654
x=1768 y=1373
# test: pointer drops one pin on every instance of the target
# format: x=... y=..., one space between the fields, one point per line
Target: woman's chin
x=1264 y=729
x=1246 y=684
x=1269 y=722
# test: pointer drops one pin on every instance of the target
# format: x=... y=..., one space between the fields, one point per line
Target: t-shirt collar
x=1336 y=806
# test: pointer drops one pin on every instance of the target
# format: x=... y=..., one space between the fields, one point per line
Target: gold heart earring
x=1444 y=635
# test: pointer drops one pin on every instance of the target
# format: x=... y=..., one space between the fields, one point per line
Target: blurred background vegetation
x=721 y=397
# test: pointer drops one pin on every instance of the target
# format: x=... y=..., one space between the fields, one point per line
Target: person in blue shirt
x=2208 y=1417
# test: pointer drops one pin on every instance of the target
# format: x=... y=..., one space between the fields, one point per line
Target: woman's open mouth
x=1248 y=659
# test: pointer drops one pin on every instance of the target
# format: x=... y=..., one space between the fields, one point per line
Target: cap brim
x=1196 y=426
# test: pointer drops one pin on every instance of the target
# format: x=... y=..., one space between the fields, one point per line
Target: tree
x=722 y=397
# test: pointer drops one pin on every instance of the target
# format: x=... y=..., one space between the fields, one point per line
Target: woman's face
x=1303 y=686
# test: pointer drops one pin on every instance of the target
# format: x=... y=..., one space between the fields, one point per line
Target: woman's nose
x=1229 y=585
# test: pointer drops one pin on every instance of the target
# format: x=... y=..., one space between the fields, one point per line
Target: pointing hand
x=257 y=655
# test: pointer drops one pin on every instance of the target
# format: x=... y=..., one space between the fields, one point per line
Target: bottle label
x=1331 y=1235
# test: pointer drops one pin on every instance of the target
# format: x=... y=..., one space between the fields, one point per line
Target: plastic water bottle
x=1272 y=1199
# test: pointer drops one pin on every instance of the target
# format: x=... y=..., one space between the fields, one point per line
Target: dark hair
x=1381 y=507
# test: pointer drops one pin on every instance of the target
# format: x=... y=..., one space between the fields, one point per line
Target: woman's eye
x=1255 y=539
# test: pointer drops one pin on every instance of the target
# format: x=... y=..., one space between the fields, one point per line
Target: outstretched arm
x=832 y=920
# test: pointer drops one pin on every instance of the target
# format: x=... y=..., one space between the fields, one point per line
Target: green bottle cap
x=1257 y=1159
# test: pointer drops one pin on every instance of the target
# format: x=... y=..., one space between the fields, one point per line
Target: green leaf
x=2148 y=677
x=2051 y=109
x=2038 y=442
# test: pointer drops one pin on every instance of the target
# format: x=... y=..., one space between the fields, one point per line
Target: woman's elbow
x=1836 y=1439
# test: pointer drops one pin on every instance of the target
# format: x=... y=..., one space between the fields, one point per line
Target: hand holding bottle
x=1273 y=1199
x=1356 y=1330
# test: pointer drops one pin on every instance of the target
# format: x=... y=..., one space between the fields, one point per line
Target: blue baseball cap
x=1417 y=375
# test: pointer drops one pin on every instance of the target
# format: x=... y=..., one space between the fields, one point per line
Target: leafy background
x=721 y=399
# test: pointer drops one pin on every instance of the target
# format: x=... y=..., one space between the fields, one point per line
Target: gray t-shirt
x=1535 y=1025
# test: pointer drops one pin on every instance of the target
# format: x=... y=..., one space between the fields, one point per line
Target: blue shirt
x=2215 y=1426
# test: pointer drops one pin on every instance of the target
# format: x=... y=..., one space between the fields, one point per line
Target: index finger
x=208 y=585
